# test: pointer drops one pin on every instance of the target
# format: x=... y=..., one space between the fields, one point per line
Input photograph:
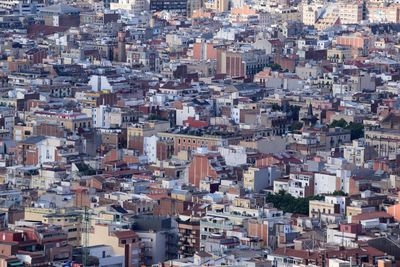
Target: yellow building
x=339 y=54
x=70 y=121
x=350 y=13
x=70 y=221
x=317 y=207
x=21 y=132
x=249 y=203
x=183 y=195
x=217 y=5
x=147 y=129
x=123 y=242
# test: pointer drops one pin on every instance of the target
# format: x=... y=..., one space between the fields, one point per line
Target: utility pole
x=85 y=241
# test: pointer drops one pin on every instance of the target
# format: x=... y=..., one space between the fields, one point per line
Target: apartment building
x=386 y=142
x=301 y=184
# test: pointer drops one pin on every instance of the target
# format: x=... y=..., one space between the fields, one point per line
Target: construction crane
x=85 y=237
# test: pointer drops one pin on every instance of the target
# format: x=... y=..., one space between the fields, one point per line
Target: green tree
x=295 y=126
x=295 y=112
x=275 y=66
x=339 y=123
x=339 y=193
x=356 y=129
x=286 y=202
x=276 y=107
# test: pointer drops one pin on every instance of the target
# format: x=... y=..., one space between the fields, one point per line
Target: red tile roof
x=125 y=234
x=370 y=215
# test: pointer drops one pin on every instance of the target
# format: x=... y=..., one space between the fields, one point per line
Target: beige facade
x=350 y=13
x=147 y=129
x=70 y=222
x=339 y=54
x=318 y=208
x=384 y=141
x=123 y=243
x=311 y=13
x=380 y=13
x=217 y=5
x=131 y=5
x=21 y=132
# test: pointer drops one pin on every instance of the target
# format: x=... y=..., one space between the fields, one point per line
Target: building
x=189 y=236
x=318 y=208
x=384 y=14
x=300 y=184
x=60 y=15
x=207 y=165
x=312 y=12
x=69 y=120
x=217 y=5
x=339 y=54
x=257 y=179
x=386 y=142
x=124 y=243
x=176 y=5
x=69 y=221
x=158 y=238
x=238 y=62
x=135 y=6
x=358 y=152
x=191 y=141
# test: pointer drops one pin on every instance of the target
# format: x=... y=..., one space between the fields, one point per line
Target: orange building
x=354 y=41
x=258 y=229
x=243 y=11
x=207 y=165
x=395 y=210
x=204 y=51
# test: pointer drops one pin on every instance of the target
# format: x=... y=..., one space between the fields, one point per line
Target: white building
x=100 y=120
x=235 y=115
x=184 y=113
x=301 y=184
x=340 y=200
x=102 y=82
x=233 y=155
x=106 y=256
x=324 y=183
x=47 y=149
x=150 y=148
x=257 y=179
x=357 y=153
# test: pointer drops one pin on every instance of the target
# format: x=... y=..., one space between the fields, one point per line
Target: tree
x=276 y=107
x=288 y=203
x=338 y=123
x=295 y=126
x=339 y=193
x=154 y=116
x=295 y=112
x=275 y=66
x=356 y=129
